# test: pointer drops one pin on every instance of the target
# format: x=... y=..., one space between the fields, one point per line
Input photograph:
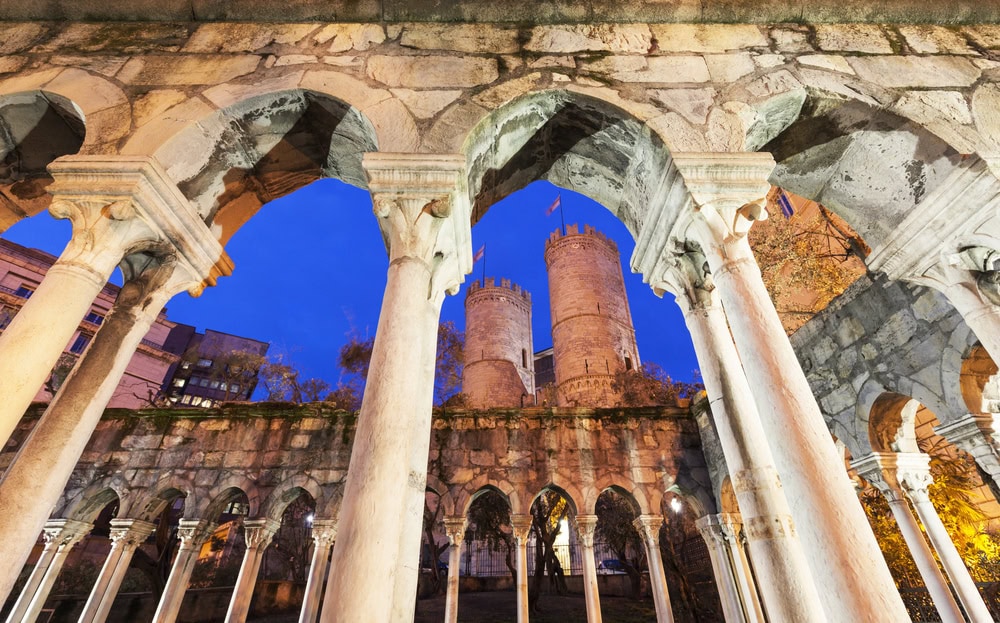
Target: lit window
x=203 y=382
x=185 y=400
x=80 y=344
x=24 y=291
x=195 y=400
x=223 y=386
x=206 y=403
x=214 y=385
x=178 y=382
x=204 y=363
x=94 y=318
x=186 y=365
x=235 y=387
x=173 y=400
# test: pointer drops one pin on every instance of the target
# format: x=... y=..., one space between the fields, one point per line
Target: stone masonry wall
x=268 y=450
x=592 y=333
x=880 y=336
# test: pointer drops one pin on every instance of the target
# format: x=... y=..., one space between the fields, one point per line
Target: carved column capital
x=878 y=470
x=521 y=525
x=192 y=533
x=454 y=528
x=65 y=532
x=586 y=526
x=710 y=529
x=123 y=205
x=913 y=472
x=324 y=532
x=649 y=527
x=130 y=533
x=258 y=532
x=973 y=433
x=894 y=473
x=422 y=213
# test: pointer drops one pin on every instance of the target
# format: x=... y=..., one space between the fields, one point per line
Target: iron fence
x=479 y=560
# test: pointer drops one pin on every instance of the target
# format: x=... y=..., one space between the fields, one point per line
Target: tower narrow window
x=524 y=357
x=628 y=363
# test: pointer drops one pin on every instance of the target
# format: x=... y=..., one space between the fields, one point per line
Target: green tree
x=547 y=513
x=489 y=522
x=615 y=515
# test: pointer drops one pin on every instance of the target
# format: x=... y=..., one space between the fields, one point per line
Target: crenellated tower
x=592 y=333
x=499 y=364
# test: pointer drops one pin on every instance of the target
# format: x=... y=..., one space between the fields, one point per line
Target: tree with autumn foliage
x=651 y=386
x=806 y=259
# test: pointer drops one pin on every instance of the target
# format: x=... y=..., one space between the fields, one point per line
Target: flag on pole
x=555 y=205
x=786 y=206
x=479 y=254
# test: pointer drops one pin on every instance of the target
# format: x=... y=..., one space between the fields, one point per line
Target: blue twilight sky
x=310 y=270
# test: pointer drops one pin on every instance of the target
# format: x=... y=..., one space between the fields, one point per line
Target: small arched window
x=628 y=363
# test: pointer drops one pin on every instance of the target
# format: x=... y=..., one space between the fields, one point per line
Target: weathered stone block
x=432 y=71
x=186 y=70
x=707 y=38
x=867 y=38
x=913 y=71
x=614 y=38
x=461 y=37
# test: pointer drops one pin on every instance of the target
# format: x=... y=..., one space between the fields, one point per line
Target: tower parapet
x=499 y=368
x=592 y=333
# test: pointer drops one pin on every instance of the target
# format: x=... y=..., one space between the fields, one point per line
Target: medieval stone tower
x=499 y=363
x=592 y=333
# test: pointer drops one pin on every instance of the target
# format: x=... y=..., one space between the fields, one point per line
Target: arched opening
x=618 y=547
x=219 y=559
x=552 y=555
x=693 y=593
x=285 y=564
x=979 y=382
x=891 y=423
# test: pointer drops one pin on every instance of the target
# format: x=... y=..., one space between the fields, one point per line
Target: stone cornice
x=947 y=220
x=139 y=186
x=519 y=11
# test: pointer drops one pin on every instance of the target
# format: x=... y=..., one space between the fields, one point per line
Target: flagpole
x=562 y=217
x=484 y=266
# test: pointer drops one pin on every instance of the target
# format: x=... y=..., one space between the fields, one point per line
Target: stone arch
x=700 y=500
x=866 y=163
x=979 y=382
x=89 y=503
x=478 y=493
x=150 y=502
x=634 y=494
x=229 y=162
x=891 y=423
x=576 y=140
x=216 y=499
x=287 y=492
x=468 y=492
x=572 y=502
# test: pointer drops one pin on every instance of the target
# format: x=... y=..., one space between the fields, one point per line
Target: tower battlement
x=491 y=284
x=574 y=230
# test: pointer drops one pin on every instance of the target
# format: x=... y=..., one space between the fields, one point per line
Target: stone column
x=649 y=529
x=976 y=434
x=257 y=534
x=786 y=582
x=879 y=470
x=59 y=536
x=192 y=534
x=324 y=533
x=585 y=527
x=722 y=566
x=117 y=205
x=43 y=465
x=126 y=536
x=521 y=525
x=727 y=192
x=425 y=224
x=455 y=529
x=733 y=531
x=914 y=476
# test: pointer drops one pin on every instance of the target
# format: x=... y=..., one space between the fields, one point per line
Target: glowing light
x=309 y=519
x=676 y=505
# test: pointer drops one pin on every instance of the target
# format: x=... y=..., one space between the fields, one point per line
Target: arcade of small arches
x=161 y=147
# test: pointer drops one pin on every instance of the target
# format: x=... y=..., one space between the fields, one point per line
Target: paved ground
x=499 y=607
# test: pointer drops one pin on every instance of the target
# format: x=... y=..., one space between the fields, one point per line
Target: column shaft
x=951 y=560
x=126 y=536
x=455 y=528
x=745 y=584
x=934 y=580
x=649 y=528
x=60 y=536
x=840 y=546
x=585 y=527
x=711 y=532
x=324 y=532
x=48 y=457
x=258 y=534
x=192 y=535
x=785 y=578
x=34 y=581
x=522 y=527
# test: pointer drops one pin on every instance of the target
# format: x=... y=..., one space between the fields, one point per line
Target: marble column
x=43 y=465
x=455 y=529
x=914 y=476
x=585 y=527
x=879 y=470
x=521 y=525
x=117 y=205
x=58 y=536
x=711 y=531
x=425 y=223
x=649 y=529
x=727 y=193
x=192 y=534
x=257 y=534
x=786 y=581
x=324 y=534
x=734 y=532
x=976 y=434
x=126 y=536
